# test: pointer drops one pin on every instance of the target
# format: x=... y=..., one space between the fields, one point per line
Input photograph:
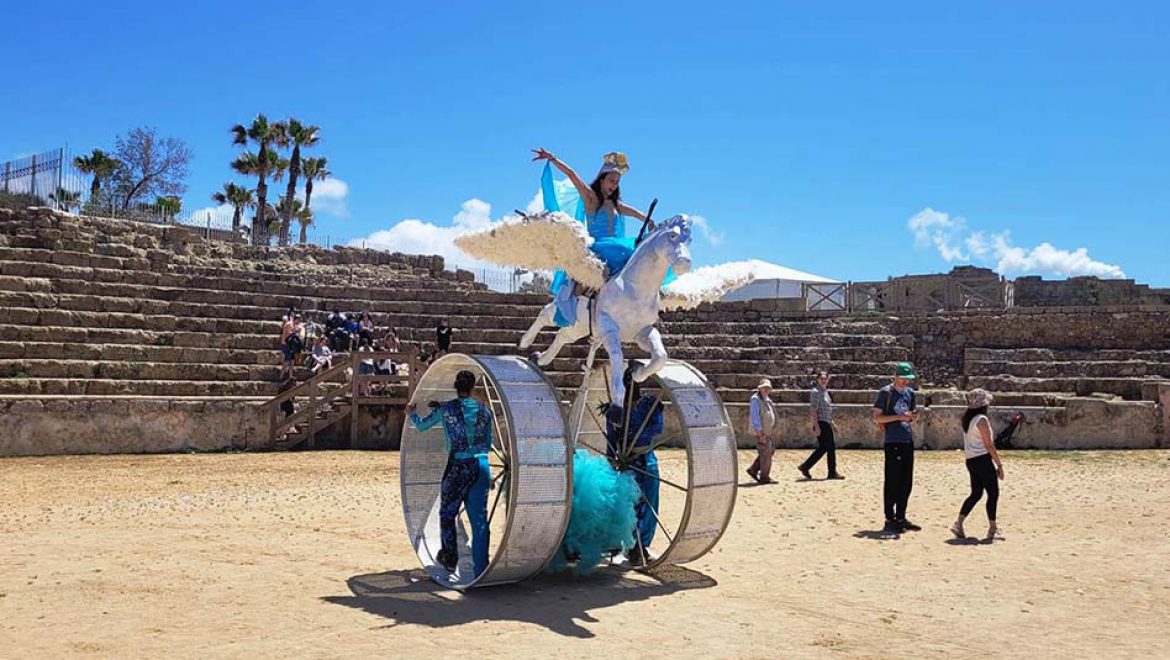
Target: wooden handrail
x=316 y=400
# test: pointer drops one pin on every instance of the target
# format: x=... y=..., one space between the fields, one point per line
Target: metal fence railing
x=52 y=179
x=900 y=296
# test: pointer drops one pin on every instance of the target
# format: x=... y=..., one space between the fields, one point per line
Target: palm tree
x=299 y=212
x=263 y=134
x=295 y=134
x=314 y=169
x=248 y=163
x=239 y=197
x=101 y=165
x=169 y=207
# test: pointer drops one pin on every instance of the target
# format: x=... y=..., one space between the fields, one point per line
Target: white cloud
x=329 y=197
x=414 y=236
x=950 y=235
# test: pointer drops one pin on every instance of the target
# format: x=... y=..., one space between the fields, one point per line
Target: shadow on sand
x=557 y=602
x=877 y=534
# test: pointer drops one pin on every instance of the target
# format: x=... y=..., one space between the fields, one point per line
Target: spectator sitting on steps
x=443 y=338
x=365 y=367
x=322 y=356
x=335 y=322
x=287 y=406
x=353 y=329
x=366 y=327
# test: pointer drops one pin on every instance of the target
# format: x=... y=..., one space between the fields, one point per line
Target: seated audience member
x=322 y=356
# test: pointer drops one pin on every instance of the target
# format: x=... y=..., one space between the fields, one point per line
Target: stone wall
x=1085 y=291
x=938 y=340
x=38 y=427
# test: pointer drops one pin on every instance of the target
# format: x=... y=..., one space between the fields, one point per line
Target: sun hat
x=905 y=370
x=764 y=383
x=978 y=398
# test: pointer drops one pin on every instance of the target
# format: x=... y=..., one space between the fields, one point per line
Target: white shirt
x=973 y=440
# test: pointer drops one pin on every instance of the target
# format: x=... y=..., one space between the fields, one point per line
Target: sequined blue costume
x=468 y=429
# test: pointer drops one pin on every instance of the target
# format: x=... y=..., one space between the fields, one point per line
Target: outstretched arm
x=583 y=188
x=627 y=210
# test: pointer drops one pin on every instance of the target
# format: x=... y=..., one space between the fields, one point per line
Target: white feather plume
x=707 y=284
x=546 y=241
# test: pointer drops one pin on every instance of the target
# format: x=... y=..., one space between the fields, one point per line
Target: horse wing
x=545 y=241
x=706 y=284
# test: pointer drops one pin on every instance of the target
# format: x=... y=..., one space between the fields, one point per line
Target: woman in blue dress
x=601 y=208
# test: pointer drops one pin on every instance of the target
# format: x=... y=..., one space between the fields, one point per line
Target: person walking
x=896 y=411
x=821 y=415
x=762 y=418
x=983 y=463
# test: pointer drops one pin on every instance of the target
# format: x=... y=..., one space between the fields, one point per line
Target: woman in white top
x=983 y=462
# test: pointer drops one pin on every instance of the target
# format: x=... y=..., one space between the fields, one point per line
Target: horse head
x=671 y=241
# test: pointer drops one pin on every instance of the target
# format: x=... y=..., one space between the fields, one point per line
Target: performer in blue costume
x=468 y=427
x=647 y=416
x=601 y=208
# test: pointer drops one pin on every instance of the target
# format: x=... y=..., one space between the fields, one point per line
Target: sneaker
x=892 y=526
x=448 y=564
x=767 y=480
x=909 y=526
x=803 y=470
x=835 y=476
x=957 y=530
x=754 y=475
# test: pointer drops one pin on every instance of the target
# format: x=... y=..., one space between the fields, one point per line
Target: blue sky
x=808 y=134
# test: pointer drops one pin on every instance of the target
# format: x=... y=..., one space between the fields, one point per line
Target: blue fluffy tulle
x=602 y=519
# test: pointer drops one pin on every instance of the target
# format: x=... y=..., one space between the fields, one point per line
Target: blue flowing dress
x=609 y=244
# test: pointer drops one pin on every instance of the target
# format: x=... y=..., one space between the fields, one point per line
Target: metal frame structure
x=710 y=444
x=534 y=472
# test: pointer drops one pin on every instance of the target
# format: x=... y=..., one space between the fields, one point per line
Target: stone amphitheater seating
x=1120 y=372
x=112 y=311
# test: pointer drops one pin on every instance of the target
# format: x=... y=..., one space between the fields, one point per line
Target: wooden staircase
x=332 y=395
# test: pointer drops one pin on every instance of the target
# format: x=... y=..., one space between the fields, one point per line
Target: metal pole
x=34 y=175
x=60 y=172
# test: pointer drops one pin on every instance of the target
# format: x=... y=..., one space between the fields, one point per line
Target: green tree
x=241 y=200
x=150 y=165
x=101 y=165
x=169 y=207
x=263 y=135
x=314 y=169
x=293 y=133
x=292 y=207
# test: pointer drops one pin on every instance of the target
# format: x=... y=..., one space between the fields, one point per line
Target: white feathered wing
x=545 y=241
x=707 y=284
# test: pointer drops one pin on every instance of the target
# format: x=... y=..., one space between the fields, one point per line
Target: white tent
x=776 y=281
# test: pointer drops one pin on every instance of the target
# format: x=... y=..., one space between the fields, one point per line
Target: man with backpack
x=896 y=411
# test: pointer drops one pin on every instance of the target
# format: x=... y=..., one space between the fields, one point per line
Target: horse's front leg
x=611 y=336
x=650 y=340
x=543 y=319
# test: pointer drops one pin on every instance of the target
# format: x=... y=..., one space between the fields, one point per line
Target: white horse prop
x=627 y=304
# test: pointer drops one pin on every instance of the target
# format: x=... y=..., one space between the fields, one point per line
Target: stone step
x=123 y=370
x=136 y=353
x=1057 y=355
x=1127 y=388
x=152 y=388
x=325 y=297
x=1084 y=369
x=694 y=350
x=139 y=305
x=15 y=262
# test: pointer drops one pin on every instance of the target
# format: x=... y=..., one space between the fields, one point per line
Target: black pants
x=983 y=478
x=826 y=445
x=899 y=478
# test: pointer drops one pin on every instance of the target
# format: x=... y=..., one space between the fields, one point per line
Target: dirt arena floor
x=304 y=555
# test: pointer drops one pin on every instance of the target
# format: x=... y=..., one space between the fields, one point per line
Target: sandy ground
x=305 y=555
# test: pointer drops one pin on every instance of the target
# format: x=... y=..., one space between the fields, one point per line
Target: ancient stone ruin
x=120 y=336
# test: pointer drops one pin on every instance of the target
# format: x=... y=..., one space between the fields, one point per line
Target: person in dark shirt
x=443 y=338
x=896 y=411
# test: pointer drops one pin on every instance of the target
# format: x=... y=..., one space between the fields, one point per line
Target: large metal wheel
x=532 y=472
x=694 y=511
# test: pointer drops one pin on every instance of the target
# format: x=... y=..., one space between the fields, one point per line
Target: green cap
x=905 y=370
